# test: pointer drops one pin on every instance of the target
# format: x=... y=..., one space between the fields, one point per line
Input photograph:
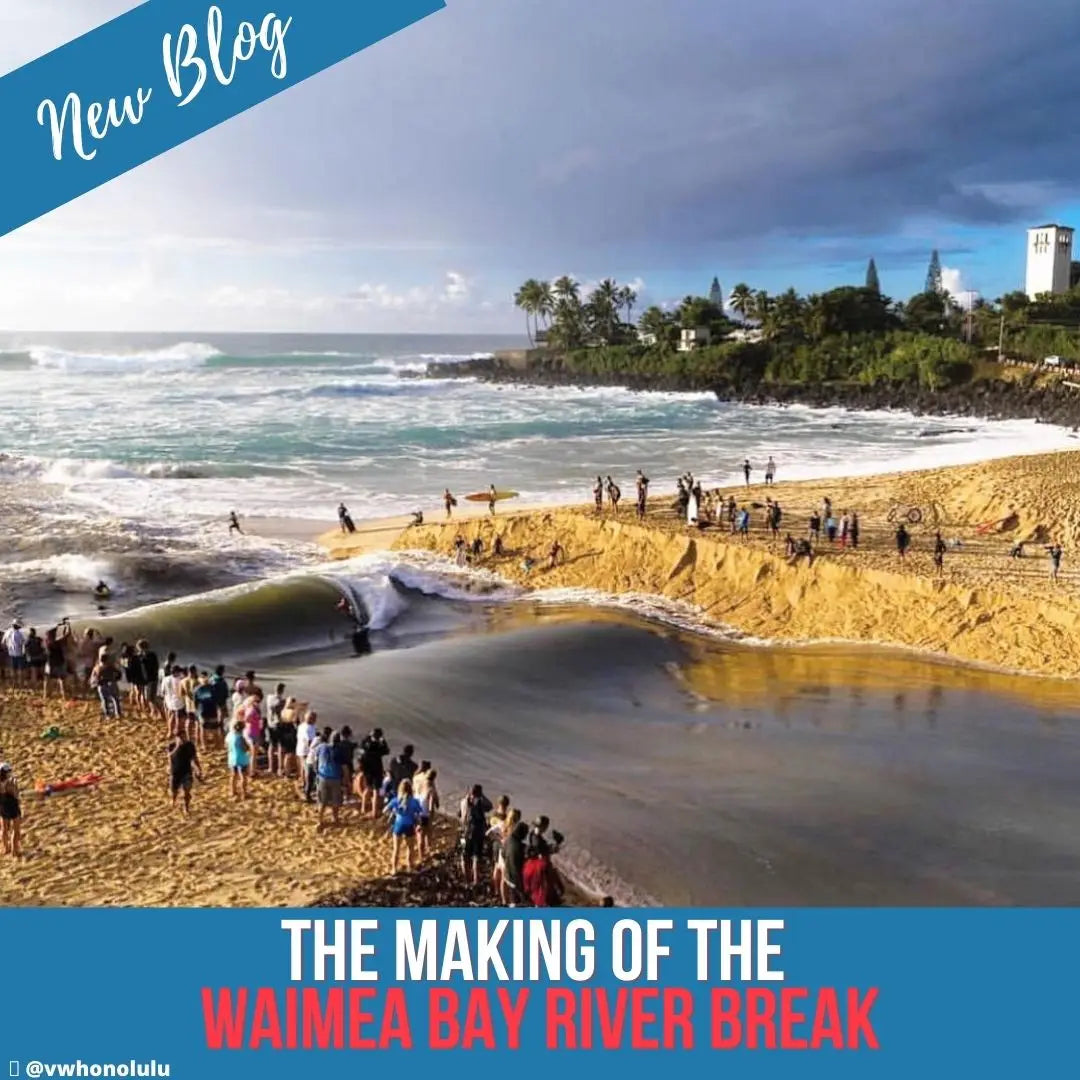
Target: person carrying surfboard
x=449 y=502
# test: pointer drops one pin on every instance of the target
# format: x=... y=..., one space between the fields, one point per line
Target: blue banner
x=161 y=74
x=804 y=993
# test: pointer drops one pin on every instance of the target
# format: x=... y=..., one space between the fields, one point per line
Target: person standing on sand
x=14 y=643
x=642 y=494
x=493 y=498
x=598 y=495
x=449 y=502
x=903 y=541
x=939 y=555
x=328 y=779
x=746 y=468
x=853 y=530
x=183 y=768
x=234 y=524
x=770 y=471
x=475 y=808
x=428 y=796
x=345 y=519
x=56 y=665
x=406 y=811
x=614 y=494
x=10 y=813
x=1054 y=552
x=558 y=555
x=373 y=748
x=240 y=753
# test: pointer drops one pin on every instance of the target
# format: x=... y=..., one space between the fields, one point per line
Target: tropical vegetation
x=853 y=334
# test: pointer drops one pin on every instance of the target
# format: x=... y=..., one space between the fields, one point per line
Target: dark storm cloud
x=613 y=127
x=639 y=121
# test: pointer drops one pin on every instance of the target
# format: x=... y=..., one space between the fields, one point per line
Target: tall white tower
x=1049 y=259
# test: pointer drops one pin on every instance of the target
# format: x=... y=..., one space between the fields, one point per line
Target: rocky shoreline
x=982 y=399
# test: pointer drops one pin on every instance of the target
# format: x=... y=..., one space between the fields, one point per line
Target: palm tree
x=526 y=298
x=567 y=289
x=627 y=300
x=545 y=301
x=604 y=304
x=762 y=305
x=787 y=313
x=742 y=300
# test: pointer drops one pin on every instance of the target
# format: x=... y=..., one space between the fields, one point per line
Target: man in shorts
x=14 y=644
x=183 y=768
x=372 y=751
x=328 y=773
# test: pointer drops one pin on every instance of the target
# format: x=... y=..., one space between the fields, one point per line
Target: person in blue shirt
x=328 y=774
x=206 y=708
x=405 y=812
x=239 y=749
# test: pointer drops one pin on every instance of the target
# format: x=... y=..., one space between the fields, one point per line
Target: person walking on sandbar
x=903 y=540
x=1054 y=551
x=746 y=471
x=234 y=524
x=449 y=502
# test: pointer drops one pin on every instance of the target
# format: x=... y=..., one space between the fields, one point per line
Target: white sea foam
x=69 y=573
x=170 y=358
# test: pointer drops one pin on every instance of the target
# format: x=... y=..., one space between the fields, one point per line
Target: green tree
x=872 y=282
x=627 y=299
x=926 y=313
x=603 y=311
x=742 y=300
x=528 y=299
x=661 y=325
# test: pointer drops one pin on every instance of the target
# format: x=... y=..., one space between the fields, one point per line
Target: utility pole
x=1001 y=339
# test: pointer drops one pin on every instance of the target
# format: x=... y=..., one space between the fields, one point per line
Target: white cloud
x=952 y=281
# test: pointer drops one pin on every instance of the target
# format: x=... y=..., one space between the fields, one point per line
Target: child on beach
x=240 y=752
x=10 y=813
x=405 y=810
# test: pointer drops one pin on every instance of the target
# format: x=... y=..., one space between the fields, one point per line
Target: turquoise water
x=117 y=446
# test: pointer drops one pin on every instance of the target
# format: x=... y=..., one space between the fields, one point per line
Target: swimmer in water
x=101 y=589
x=234 y=523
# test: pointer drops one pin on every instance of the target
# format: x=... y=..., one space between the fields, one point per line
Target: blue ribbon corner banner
x=161 y=74
x=833 y=993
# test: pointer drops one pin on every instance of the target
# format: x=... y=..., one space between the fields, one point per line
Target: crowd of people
x=276 y=736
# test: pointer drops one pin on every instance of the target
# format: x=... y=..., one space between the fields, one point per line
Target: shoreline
x=1011 y=393
x=985 y=609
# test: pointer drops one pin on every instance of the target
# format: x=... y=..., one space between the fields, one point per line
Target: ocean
x=685 y=766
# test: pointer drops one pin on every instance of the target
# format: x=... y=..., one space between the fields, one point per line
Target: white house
x=689 y=340
x=1049 y=260
x=749 y=334
x=646 y=339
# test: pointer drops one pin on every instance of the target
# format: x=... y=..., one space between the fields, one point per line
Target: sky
x=662 y=142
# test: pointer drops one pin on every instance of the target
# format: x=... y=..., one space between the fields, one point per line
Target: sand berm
x=986 y=607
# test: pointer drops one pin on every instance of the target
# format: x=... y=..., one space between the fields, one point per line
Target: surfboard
x=484 y=496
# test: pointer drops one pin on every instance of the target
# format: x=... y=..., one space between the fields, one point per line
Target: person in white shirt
x=172 y=693
x=14 y=643
x=305 y=737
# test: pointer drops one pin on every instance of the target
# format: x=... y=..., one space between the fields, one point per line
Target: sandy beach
x=123 y=844
x=986 y=607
